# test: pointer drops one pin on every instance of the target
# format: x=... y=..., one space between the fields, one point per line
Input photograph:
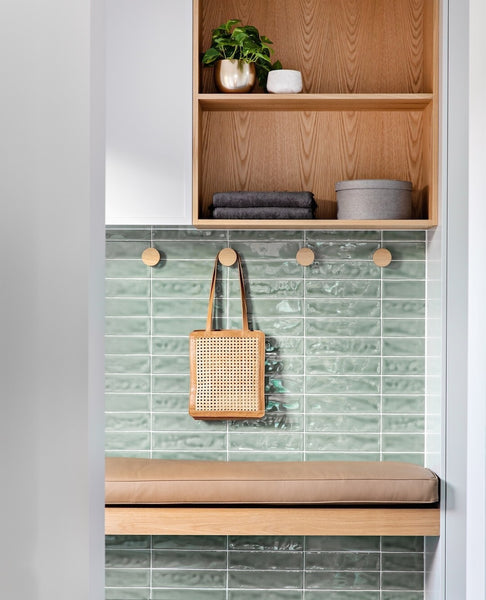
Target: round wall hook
x=227 y=257
x=382 y=257
x=151 y=257
x=305 y=257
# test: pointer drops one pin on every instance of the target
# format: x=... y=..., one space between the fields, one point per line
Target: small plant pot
x=234 y=76
x=374 y=199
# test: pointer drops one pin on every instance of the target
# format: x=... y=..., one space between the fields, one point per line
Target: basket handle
x=244 y=312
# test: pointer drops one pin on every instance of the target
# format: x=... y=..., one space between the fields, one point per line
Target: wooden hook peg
x=151 y=257
x=227 y=257
x=382 y=257
x=305 y=257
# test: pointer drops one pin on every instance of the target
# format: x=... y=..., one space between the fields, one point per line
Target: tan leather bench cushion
x=155 y=481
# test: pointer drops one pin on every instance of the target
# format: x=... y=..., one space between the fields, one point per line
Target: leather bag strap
x=244 y=312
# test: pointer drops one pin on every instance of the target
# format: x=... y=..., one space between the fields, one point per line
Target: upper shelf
x=314 y=102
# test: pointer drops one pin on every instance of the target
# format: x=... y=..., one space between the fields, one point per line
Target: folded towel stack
x=263 y=205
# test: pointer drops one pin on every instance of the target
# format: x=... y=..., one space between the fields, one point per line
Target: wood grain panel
x=271 y=521
x=310 y=151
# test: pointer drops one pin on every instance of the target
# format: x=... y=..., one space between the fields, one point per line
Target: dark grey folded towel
x=263 y=212
x=270 y=199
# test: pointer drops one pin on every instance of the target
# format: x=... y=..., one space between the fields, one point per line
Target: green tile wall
x=345 y=380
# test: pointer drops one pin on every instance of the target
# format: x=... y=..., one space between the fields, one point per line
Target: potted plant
x=240 y=54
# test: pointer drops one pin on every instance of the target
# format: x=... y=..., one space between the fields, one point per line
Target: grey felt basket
x=374 y=199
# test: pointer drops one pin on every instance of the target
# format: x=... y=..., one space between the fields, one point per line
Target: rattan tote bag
x=227 y=367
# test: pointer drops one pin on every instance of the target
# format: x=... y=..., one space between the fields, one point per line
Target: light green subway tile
x=172 y=365
x=284 y=403
x=127 y=422
x=404 y=366
x=402 y=561
x=181 y=249
x=127 y=593
x=190 y=455
x=283 y=346
x=127 y=541
x=343 y=423
x=270 y=456
x=178 y=327
x=124 y=249
x=275 y=288
x=416 y=458
x=127 y=402
x=342 y=404
x=403 y=404
x=343 y=327
x=134 y=453
x=127 y=307
x=344 y=456
x=264 y=235
x=266 y=543
x=174 y=422
x=336 y=580
x=127 y=577
x=270 y=421
x=404 y=289
x=405 y=543
x=407 y=442
x=127 y=383
x=173 y=402
x=133 y=288
x=127 y=441
x=127 y=233
x=349 y=384
x=189 y=234
x=407 y=250
x=403 y=327
x=281 y=326
x=184 y=270
x=343 y=250
x=268 y=270
x=189 y=308
x=342 y=561
x=342 y=308
x=265 y=440
x=184 y=288
x=170 y=383
x=265 y=579
x=342 y=366
x=127 y=559
x=342 y=288
x=284 y=384
x=259 y=307
x=188 y=559
x=343 y=270
x=335 y=234
x=189 y=441
x=265 y=561
x=188 y=594
x=257 y=249
x=189 y=542
x=352 y=543
x=393 y=236
x=403 y=384
x=119 y=344
x=126 y=269
x=117 y=363
x=397 y=595
x=269 y=595
x=336 y=346
x=188 y=578
x=403 y=308
x=402 y=581
x=404 y=347
x=127 y=326
x=169 y=346
x=359 y=442
x=275 y=365
x=403 y=269
x=336 y=595
x=403 y=423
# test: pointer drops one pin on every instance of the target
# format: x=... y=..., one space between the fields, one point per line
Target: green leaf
x=210 y=56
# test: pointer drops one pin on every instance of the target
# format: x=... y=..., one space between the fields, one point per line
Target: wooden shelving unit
x=369 y=108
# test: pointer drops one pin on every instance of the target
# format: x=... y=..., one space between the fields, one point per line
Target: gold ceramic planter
x=234 y=76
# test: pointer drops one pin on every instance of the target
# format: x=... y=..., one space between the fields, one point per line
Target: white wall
x=51 y=383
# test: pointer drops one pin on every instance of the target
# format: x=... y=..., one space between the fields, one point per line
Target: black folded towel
x=270 y=199
x=263 y=212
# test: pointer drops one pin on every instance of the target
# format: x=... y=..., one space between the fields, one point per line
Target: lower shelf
x=313 y=224
x=371 y=521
